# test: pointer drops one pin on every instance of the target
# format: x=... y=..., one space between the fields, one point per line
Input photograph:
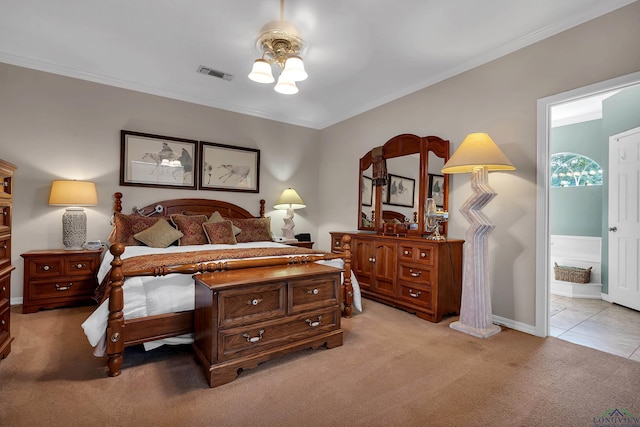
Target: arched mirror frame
x=398 y=146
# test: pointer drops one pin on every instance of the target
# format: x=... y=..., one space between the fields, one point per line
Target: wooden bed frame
x=122 y=333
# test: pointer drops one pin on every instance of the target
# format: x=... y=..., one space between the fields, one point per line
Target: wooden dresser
x=58 y=278
x=245 y=317
x=417 y=275
x=6 y=194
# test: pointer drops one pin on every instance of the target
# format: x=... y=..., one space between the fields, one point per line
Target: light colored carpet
x=393 y=370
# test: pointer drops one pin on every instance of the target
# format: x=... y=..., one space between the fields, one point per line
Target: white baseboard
x=518 y=326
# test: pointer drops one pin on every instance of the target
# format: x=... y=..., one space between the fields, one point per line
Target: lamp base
x=476 y=332
x=74 y=229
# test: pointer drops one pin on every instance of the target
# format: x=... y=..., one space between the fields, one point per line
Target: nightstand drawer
x=80 y=266
x=253 y=304
x=61 y=288
x=314 y=293
x=41 y=268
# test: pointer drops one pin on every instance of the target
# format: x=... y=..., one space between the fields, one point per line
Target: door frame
x=542 y=186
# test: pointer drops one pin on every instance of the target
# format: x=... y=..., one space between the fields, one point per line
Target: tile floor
x=597 y=324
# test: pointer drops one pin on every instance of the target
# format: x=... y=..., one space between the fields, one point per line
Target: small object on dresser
x=572 y=274
x=303 y=237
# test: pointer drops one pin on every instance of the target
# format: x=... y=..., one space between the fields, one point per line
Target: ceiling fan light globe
x=294 y=69
x=286 y=86
x=261 y=72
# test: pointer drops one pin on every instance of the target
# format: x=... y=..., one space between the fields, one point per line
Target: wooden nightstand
x=308 y=245
x=57 y=278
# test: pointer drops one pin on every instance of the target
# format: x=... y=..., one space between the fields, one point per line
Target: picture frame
x=148 y=160
x=401 y=191
x=367 y=191
x=229 y=168
x=436 y=189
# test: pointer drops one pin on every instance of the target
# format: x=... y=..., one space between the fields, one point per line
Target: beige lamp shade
x=73 y=193
x=477 y=150
x=289 y=199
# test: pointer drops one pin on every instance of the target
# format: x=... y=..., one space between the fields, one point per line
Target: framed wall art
x=229 y=168
x=401 y=191
x=148 y=160
x=436 y=189
x=367 y=191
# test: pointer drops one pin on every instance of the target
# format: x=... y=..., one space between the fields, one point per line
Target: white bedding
x=146 y=296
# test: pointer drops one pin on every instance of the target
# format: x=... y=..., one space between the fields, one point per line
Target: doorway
x=545 y=106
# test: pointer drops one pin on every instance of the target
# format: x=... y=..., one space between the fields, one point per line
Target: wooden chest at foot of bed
x=245 y=317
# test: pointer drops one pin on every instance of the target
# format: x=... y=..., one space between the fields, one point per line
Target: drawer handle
x=4 y=289
x=314 y=324
x=254 y=339
x=414 y=295
x=46 y=267
x=254 y=301
x=415 y=274
x=372 y=260
x=63 y=288
x=79 y=266
x=337 y=244
x=407 y=253
x=423 y=255
x=312 y=291
x=2 y=322
x=5 y=213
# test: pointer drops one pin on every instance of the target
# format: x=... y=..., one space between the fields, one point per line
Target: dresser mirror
x=414 y=167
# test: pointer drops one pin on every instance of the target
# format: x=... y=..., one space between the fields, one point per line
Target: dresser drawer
x=40 y=268
x=252 y=304
x=416 y=253
x=5 y=251
x=240 y=341
x=39 y=290
x=416 y=273
x=5 y=219
x=417 y=296
x=314 y=293
x=336 y=242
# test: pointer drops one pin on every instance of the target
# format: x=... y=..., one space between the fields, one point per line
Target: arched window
x=574 y=170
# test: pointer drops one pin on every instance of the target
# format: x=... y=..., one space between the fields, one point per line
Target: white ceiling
x=361 y=54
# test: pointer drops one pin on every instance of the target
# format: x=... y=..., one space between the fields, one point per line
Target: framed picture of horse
x=229 y=168
x=148 y=160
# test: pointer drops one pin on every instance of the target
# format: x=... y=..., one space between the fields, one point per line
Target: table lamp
x=74 y=220
x=477 y=154
x=289 y=200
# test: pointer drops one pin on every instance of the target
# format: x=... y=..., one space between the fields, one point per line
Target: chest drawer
x=5 y=317
x=5 y=251
x=252 y=304
x=5 y=218
x=416 y=253
x=39 y=290
x=314 y=293
x=242 y=341
x=416 y=273
x=5 y=287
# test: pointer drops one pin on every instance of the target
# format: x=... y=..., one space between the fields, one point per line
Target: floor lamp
x=289 y=200
x=477 y=154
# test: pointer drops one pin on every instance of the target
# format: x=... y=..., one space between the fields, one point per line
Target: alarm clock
x=93 y=244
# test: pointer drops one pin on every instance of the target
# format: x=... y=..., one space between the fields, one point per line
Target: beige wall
x=56 y=127
x=499 y=98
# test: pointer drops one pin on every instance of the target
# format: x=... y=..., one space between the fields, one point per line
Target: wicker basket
x=572 y=274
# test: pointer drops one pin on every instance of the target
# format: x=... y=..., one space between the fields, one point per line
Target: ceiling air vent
x=215 y=73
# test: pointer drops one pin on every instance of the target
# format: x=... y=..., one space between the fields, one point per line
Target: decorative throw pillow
x=126 y=226
x=191 y=227
x=219 y=232
x=216 y=217
x=253 y=229
x=159 y=235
